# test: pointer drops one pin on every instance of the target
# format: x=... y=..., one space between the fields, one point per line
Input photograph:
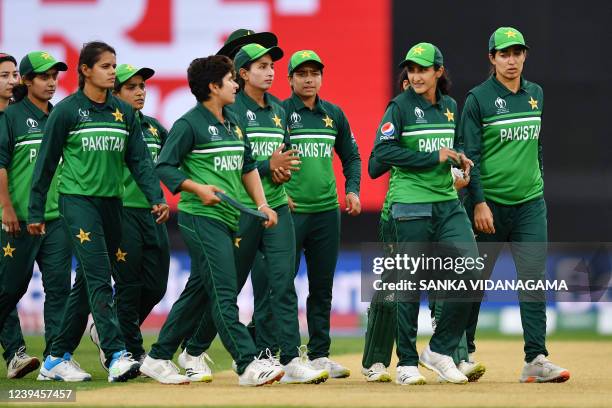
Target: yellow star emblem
x=510 y=33
x=130 y=67
x=277 y=121
x=533 y=103
x=238 y=132
x=305 y=54
x=329 y=122
x=418 y=50
x=83 y=236
x=118 y=115
x=45 y=55
x=8 y=251
x=237 y=242
x=120 y=255
x=449 y=115
x=153 y=130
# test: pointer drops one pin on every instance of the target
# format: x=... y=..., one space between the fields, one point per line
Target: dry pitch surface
x=590 y=364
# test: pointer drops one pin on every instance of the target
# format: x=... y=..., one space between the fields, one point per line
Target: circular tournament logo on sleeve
x=387 y=129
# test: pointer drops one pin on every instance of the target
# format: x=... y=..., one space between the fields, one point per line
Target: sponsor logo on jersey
x=500 y=104
x=213 y=130
x=387 y=129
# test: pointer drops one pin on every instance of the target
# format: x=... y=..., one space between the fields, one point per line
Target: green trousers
x=448 y=224
x=94 y=224
x=141 y=273
x=53 y=254
x=525 y=227
x=212 y=280
x=277 y=245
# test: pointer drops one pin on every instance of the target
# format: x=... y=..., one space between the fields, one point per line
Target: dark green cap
x=505 y=37
x=126 y=71
x=424 y=54
x=252 y=52
x=241 y=37
x=39 y=62
x=302 y=57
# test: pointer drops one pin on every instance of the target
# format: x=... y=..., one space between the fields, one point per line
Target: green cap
x=252 y=52
x=241 y=37
x=424 y=54
x=39 y=62
x=505 y=37
x=302 y=57
x=126 y=71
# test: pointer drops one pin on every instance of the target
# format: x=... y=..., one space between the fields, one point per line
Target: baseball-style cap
x=242 y=36
x=39 y=62
x=126 y=71
x=505 y=37
x=303 y=56
x=252 y=52
x=424 y=54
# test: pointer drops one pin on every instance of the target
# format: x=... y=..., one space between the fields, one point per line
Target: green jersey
x=154 y=135
x=265 y=131
x=409 y=138
x=21 y=134
x=202 y=149
x=501 y=132
x=95 y=140
x=316 y=134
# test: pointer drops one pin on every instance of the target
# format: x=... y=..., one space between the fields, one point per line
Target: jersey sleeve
x=7 y=142
x=179 y=143
x=348 y=152
x=51 y=148
x=140 y=163
x=470 y=134
x=388 y=150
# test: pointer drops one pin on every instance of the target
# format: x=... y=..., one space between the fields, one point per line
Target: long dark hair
x=90 y=55
x=239 y=79
x=20 y=91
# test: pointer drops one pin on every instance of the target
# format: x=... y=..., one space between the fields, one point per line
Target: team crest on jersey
x=387 y=130
x=420 y=115
x=500 y=104
x=296 y=121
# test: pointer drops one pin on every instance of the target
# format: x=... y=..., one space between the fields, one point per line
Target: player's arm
x=252 y=185
x=348 y=152
x=7 y=144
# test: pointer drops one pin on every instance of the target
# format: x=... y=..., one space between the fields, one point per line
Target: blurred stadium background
x=361 y=42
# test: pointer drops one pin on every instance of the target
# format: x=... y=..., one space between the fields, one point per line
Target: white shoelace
x=378 y=367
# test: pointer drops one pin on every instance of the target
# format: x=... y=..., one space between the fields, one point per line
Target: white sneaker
x=163 y=371
x=334 y=369
x=300 y=371
x=540 y=370
x=273 y=360
x=472 y=370
x=21 y=364
x=409 y=375
x=260 y=372
x=377 y=373
x=93 y=335
x=196 y=368
x=62 y=369
x=442 y=365
x=123 y=367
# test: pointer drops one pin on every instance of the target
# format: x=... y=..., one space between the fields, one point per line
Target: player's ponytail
x=90 y=55
x=20 y=90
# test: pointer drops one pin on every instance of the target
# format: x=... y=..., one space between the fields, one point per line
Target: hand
x=37 y=228
x=162 y=211
x=10 y=223
x=206 y=192
x=466 y=165
x=483 y=218
x=287 y=160
x=280 y=175
x=272 y=216
x=446 y=153
x=461 y=182
x=353 y=205
x=291 y=204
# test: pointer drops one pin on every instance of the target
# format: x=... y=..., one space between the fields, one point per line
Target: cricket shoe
x=442 y=365
x=95 y=339
x=260 y=372
x=62 y=369
x=409 y=375
x=122 y=367
x=471 y=369
x=195 y=367
x=334 y=369
x=540 y=370
x=163 y=371
x=376 y=373
x=272 y=359
x=300 y=371
x=21 y=364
